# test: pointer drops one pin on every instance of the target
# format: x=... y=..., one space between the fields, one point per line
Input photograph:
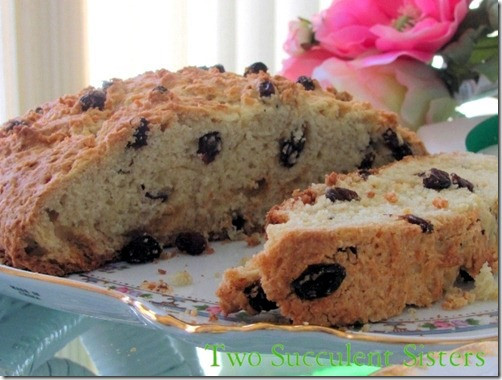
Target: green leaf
x=459 y=51
x=483 y=50
x=472 y=322
x=306 y=21
x=455 y=74
x=429 y=326
x=472 y=55
x=489 y=69
x=483 y=16
x=201 y=307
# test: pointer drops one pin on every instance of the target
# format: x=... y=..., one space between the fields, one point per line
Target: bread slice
x=360 y=248
x=167 y=158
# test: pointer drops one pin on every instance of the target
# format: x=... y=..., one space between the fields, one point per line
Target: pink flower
x=386 y=30
x=407 y=87
x=459 y=323
x=123 y=289
x=299 y=37
x=443 y=324
x=214 y=310
x=304 y=64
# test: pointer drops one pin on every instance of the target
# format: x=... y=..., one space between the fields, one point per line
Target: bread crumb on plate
x=456 y=298
x=253 y=240
x=156 y=286
x=182 y=278
x=166 y=255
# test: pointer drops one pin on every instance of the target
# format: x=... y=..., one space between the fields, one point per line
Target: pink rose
x=443 y=324
x=299 y=37
x=304 y=64
x=386 y=30
x=407 y=87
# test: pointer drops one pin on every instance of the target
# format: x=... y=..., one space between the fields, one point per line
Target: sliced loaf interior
x=362 y=246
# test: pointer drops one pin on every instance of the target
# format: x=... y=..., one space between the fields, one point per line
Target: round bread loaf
x=166 y=157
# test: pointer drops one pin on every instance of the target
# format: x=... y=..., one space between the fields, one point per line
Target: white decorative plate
x=191 y=312
x=115 y=292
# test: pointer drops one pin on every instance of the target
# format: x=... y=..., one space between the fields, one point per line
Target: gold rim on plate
x=192 y=328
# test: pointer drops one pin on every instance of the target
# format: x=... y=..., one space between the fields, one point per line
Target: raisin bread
x=362 y=246
x=173 y=158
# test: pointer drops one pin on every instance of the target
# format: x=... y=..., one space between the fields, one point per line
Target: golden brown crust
x=307 y=196
x=276 y=214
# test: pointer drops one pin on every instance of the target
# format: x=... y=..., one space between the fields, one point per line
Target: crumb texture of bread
x=485 y=286
x=231 y=292
x=164 y=153
x=345 y=257
x=456 y=298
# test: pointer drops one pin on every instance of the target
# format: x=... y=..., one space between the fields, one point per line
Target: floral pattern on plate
x=196 y=303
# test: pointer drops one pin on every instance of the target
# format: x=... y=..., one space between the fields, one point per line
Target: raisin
x=465 y=276
x=13 y=123
x=162 y=196
x=306 y=82
x=392 y=142
x=255 y=68
x=238 y=221
x=93 y=99
x=356 y=326
x=140 y=135
x=425 y=225
x=34 y=249
x=266 y=89
x=192 y=243
x=141 y=249
x=461 y=182
x=257 y=298
x=160 y=89
x=39 y=110
x=437 y=180
x=220 y=68
x=367 y=161
x=318 y=280
x=209 y=147
x=341 y=194
x=290 y=149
